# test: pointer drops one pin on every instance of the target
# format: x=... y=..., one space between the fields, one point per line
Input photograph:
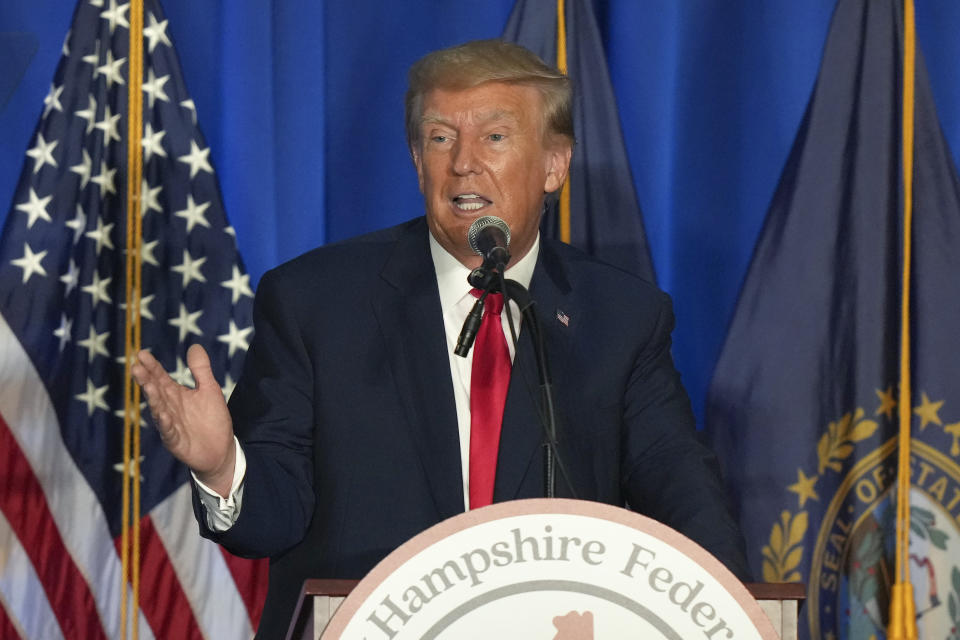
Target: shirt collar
x=452 y=275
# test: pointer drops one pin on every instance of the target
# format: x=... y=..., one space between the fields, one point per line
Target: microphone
x=489 y=236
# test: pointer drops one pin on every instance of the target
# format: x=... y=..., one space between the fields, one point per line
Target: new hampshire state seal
x=852 y=551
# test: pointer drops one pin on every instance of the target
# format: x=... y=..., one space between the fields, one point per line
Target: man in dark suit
x=356 y=428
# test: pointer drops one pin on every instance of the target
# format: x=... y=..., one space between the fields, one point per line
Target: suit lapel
x=408 y=310
x=519 y=462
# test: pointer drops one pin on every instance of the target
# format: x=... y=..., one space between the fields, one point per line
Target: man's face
x=483 y=152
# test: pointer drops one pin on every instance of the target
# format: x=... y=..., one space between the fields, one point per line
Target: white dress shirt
x=455 y=303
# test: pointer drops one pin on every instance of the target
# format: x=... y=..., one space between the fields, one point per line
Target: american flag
x=62 y=272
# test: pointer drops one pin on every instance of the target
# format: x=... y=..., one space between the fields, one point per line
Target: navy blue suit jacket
x=345 y=410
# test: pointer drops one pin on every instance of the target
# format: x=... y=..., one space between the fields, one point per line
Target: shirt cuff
x=222 y=512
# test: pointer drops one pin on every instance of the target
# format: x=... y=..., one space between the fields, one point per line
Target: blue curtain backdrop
x=301 y=102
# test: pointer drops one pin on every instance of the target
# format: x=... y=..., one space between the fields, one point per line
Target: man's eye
x=438 y=139
x=496 y=137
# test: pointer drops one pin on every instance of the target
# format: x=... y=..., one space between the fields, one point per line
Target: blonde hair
x=474 y=63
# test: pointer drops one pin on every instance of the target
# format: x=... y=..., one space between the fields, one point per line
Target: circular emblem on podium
x=551 y=570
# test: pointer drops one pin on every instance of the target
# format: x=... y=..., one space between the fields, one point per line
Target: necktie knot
x=493 y=303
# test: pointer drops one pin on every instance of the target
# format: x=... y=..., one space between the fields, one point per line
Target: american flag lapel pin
x=563 y=318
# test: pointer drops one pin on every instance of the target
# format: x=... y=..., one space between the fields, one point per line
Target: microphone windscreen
x=476 y=235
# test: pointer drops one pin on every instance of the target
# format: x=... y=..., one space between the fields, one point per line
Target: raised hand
x=194 y=424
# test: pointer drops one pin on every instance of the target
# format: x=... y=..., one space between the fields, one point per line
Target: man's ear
x=418 y=164
x=558 y=165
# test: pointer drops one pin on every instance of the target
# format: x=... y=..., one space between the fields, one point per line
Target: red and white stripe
x=23 y=601
x=200 y=568
x=57 y=559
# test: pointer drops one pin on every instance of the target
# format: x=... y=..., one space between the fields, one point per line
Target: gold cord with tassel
x=903 y=622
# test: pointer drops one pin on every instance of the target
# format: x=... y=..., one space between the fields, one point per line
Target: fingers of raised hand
x=199 y=363
x=179 y=411
x=154 y=399
x=162 y=393
x=166 y=428
x=148 y=371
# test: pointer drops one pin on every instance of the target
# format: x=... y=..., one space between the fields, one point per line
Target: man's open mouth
x=470 y=201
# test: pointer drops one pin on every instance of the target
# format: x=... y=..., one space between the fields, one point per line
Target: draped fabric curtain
x=302 y=103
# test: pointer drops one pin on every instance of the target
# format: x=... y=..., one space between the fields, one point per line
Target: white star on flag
x=153 y=87
x=111 y=70
x=190 y=268
x=144 y=310
x=63 y=331
x=149 y=199
x=98 y=289
x=155 y=32
x=101 y=235
x=193 y=214
x=109 y=125
x=143 y=405
x=78 y=224
x=95 y=344
x=52 y=101
x=146 y=253
x=93 y=397
x=35 y=208
x=93 y=59
x=89 y=114
x=197 y=159
x=84 y=169
x=151 y=143
x=235 y=338
x=114 y=15
x=30 y=263
x=187 y=322
x=239 y=285
x=228 y=385
x=42 y=153
x=145 y=307
x=105 y=179
x=119 y=468
x=71 y=277
x=188 y=104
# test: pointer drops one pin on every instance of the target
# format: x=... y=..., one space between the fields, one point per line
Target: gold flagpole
x=562 y=65
x=131 y=413
x=903 y=621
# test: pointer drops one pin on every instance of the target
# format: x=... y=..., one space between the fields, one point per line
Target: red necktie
x=489 y=380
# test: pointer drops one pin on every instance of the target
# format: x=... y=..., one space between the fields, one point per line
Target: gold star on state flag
x=803 y=487
x=928 y=412
x=887 y=403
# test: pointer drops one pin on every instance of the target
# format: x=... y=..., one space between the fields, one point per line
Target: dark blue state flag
x=605 y=217
x=62 y=328
x=803 y=403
